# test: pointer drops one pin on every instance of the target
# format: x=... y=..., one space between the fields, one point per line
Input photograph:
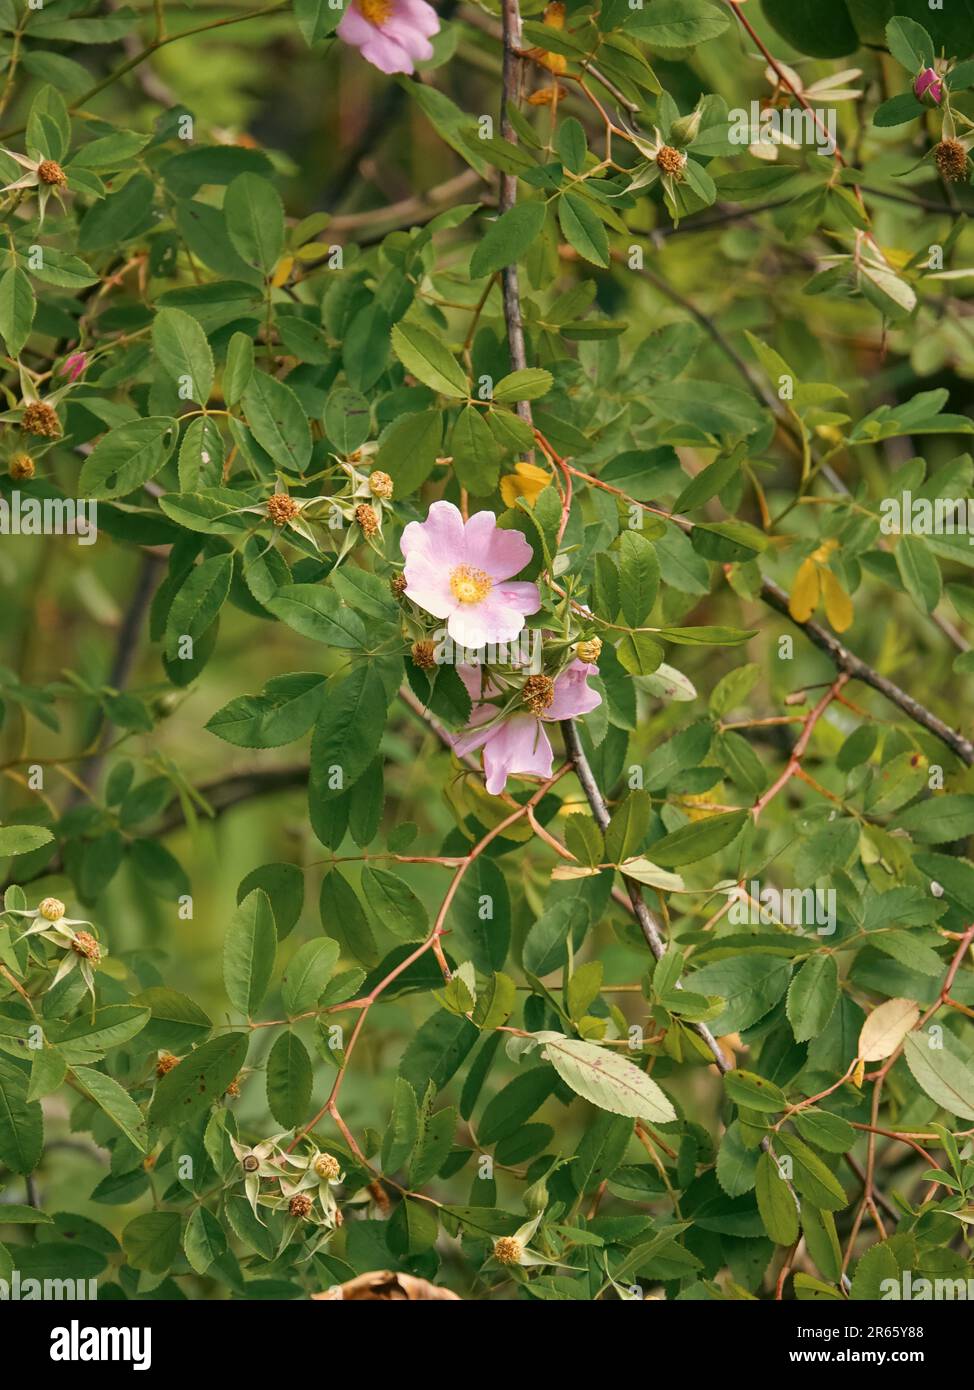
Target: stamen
x=469 y=585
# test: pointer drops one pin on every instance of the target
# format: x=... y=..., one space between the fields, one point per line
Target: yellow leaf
x=803 y=600
x=527 y=480
x=838 y=604
x=282 y=270
x=886 y=1027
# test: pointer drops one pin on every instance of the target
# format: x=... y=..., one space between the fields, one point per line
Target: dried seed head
x=538 y=693
x=367 y=519
x=250 y=1163
x=300 y=1205
x=281 y=508
x=669 y=160
x=166 y=1063
x=84 y=944
x=507 y=1251
x=380 y=484
x=424 y=654
x=233 y=1090
x=951 y=158
x=21 y=466
x=397 y=585
x=51 y=908
x=327 y=1166
x=50 y=171
x=590 y=650
x=41 y=418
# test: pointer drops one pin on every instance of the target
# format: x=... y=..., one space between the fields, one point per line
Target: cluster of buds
x=83 y=950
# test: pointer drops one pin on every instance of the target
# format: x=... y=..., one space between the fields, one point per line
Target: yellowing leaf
x=803 y=599
x=838 y=604
x=281 y=271
x=526 y=481
x=886 y=1027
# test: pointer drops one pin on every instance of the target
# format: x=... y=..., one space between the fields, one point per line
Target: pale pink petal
x=388 y=54
x=490 y=548
x=573 y=694
x=519 y=746
x=521 y=595
x=429 y=586
x=354 y=28
x=420 y=16
x=439 y=537
x=475 y=735
x=409 y=39
x=478 y=624
x=477 y=688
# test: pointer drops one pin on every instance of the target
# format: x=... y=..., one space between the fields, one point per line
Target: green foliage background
x=783 y=353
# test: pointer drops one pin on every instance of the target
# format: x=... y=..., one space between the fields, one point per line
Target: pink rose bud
x=74 y=365
x=929 y=88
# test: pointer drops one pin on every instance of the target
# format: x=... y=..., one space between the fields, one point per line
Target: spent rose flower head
x=928 y=87
x=519 y=745
x=461 y=570
x=393 y=35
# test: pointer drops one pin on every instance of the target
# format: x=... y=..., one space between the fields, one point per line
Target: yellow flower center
x=377 y=12
x=468 y=585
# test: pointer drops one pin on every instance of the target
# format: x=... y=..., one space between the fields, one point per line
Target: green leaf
x=239 y=368
x=400 y=1137
x=940 y=1074
x=545 y=944
x=318 y=613
x=151 y=1241
x=475 y=453
x=347 y=733
x=909 y=43
x=919 y=572
x=677 y=23
x=21 y=839
x=608 y=1080
x=750 y=986
x=779 y=1213
x=17 y=308
x=128 y=456
x=21 y=1125
x=204 y=1240
x=753 y=1092
x=394 y=904
x=583 y=229
x=278 y=421
x=698 y=840
x=938 y=819
x=306 y=975
x=289 y=1080
x=117 y=1104
x=199 y=1080
x=506 y=240
x=428 y=360
x=249 y=949
x=182 y=348
x=812 y=996
x=639 y=577
x=255 y=221
x=198 y=602
x=343 y=916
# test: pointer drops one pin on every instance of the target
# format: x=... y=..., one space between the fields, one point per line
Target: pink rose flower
x=394 y=35
x=928 y=87
x=462 y=571
x=519 y=745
